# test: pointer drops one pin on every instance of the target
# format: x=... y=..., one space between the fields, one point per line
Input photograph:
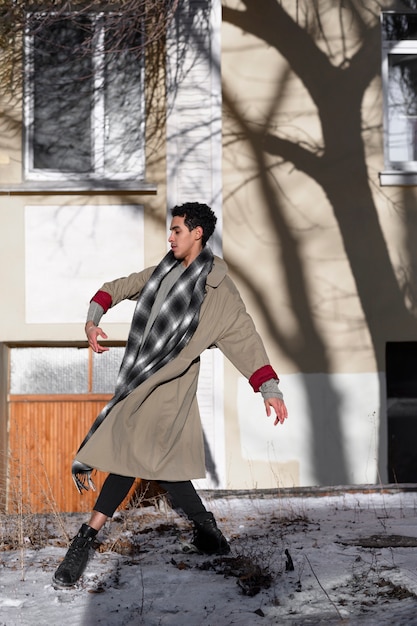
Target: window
x=84 y=99
x=399 y=80
x=50 y=370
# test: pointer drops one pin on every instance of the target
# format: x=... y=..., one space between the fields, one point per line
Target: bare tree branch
x=126 y=20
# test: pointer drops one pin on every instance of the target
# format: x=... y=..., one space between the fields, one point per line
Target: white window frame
x=98 y=118
x=395 y=172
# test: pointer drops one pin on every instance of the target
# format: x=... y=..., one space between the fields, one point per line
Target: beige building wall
x=322 y=254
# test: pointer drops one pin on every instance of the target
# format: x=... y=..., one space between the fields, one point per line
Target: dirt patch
x=382 y=541
x=251 y=577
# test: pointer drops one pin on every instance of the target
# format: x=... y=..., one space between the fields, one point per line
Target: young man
x=151 y=428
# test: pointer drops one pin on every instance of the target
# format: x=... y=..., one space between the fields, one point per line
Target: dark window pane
x=63 y=95
x=399 y=26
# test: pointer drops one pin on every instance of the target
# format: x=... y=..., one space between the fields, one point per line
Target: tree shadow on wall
x=335 y=67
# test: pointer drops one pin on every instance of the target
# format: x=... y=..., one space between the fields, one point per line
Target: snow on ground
x=348 y=557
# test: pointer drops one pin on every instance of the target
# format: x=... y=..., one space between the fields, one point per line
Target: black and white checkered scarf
x=171 y=331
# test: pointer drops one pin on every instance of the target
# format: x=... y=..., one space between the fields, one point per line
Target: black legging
x=182 y=495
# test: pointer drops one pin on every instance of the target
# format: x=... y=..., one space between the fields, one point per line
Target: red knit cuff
x=104 y=299
x=261 y=375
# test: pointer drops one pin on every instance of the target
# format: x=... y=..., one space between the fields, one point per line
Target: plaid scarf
x=171 y=331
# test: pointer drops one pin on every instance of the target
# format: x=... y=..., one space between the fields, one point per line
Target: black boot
x=75 y=561
x=208 y=538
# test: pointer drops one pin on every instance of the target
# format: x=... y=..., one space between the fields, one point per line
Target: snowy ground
x=354 y=557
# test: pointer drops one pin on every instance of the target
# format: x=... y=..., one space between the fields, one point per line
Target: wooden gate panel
x=43 y=439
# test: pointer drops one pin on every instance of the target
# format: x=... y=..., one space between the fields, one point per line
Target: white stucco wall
x=351 y=456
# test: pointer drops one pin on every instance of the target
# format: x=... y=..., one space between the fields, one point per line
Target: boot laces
x=77 y=550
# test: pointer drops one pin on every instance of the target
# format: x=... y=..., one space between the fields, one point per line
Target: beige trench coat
x=155 y=433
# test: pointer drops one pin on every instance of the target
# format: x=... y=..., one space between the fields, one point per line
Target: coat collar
x=218 y=272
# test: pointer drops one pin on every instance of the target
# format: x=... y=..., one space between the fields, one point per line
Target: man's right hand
x=93 y=333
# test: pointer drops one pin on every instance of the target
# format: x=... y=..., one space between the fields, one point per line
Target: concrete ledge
x=78 y=187
x=397 y=178
x=306 y=492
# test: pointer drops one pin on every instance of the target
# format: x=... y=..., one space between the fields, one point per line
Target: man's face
x=186 y=245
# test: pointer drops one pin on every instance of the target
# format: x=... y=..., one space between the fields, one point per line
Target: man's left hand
x=279 y=408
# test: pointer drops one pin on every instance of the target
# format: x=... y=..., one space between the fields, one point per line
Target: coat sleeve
x=126 y=288
x=239 y=340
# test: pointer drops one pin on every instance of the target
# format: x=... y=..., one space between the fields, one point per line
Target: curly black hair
x=197 y=214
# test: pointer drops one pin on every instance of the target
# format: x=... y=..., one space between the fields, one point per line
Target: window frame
x=99 y=123
x=395 y=172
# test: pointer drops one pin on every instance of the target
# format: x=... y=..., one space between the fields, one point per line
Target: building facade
x=298 y=127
